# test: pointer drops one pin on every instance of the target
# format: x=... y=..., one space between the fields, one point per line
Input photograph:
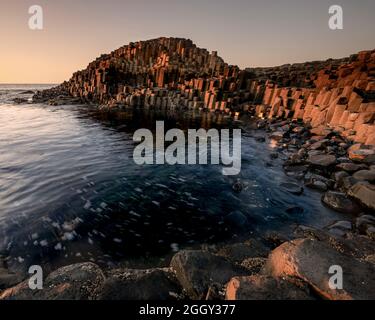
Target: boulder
x=198 y=270
x=364 y=193
x=363 y=222
x=129 y=284
x=322 y=160
x=340 y=202
x=8 y=279
x=261 y=287
x=80 y=281
x=311 y=260
x=340 y=228
x=365 y=175
x=319 y=145
x=358 y=154
x=350 y=167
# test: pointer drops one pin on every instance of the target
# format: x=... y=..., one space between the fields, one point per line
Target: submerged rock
x=292 y=188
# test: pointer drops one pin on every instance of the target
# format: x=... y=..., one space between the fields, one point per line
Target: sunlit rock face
x=336 y=94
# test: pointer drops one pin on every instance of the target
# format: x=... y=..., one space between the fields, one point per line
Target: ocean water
x=70 y=190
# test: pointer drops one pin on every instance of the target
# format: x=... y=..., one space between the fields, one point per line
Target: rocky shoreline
x=249 y=270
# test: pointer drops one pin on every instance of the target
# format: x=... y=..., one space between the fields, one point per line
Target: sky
x=247 y=33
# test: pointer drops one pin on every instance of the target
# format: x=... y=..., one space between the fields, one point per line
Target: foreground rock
x=260 y=287
x=153 y=284
x=364 y=193
x=322 y=160
x=340 y=202
x=81 y=281
x=310 y=261
x=7 y=278
x=198 y=270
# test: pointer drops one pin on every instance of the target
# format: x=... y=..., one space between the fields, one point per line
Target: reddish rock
x=260 y=287
x=311 y=260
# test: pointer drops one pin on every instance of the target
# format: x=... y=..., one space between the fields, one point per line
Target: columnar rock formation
x=169 y=72
x=161 y=73
x=342 y=97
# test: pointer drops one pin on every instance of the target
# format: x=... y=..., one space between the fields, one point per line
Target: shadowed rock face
x=197 y=270
x=74 y=282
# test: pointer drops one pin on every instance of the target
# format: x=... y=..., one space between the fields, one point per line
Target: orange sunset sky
x=244 y=32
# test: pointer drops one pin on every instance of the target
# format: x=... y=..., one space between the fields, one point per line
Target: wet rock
x=274 y=155
x=298 y=171
x=277 y=135
x=350 y=167
x=317 y=185
x=295 y=159
x=339 y=175
x=363 y=222
x=311 y=260
x=27 y=92
x=359 y=154
x=237 y=220
x=364 y=193
x=322 y=144
x=347 y=183
x=197 y=270
x=294 y=210
x=340 y=228
x=152 y=284
x=261 y=287
x=292 y=188
x=322 y=160
x=353 y=245
x=237 y=186
x=274 y=239
x=340 y=202
x=8 y=279
x=237 y=252
x=365 y=175
x=318 y=182
x=80 y=281
x=20 y=100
